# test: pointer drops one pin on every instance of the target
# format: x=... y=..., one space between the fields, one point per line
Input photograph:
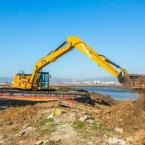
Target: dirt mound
x=130 y=115
x=102 y=99
x=140 y=103
x=18 y=115
x=24 y=114
x=126 y=115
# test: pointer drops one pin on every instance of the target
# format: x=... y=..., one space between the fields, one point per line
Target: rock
x=41 y=142
x=115 y=140
x=84 y=118
x=50 y=116
x=2 y=137
x=21 y=142
x=120 y=120
x=130 y=140
x=55 y=112
x=90 y=121
x=1 y=142
x=90 y=143
x=65 y=133
x=24 y=131
x=119 y=130
x=20 y=133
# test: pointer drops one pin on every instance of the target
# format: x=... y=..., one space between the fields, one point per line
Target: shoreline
x=84 y=85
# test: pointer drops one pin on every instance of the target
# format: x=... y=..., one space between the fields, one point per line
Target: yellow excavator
x=38 y=79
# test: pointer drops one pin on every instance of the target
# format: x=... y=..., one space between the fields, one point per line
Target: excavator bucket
x=138 y=82
x=134 y=82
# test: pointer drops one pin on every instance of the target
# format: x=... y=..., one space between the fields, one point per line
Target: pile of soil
x=129 y=115
x=102 y=99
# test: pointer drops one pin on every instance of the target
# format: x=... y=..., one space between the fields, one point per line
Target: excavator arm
x=51 y=57
x=68 y=45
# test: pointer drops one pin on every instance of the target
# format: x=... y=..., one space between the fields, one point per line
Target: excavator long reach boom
x=30 y=81
x=69 y=44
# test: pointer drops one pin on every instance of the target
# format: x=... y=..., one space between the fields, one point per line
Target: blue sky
x=30 y=29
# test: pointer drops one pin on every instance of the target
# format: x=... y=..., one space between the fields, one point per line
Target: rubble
x=119 y=130
x=85 y=117
x=42 y=142
x=25 y=131
x=117 y=141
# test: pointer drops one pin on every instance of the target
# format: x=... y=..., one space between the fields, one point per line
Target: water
x=116 y=93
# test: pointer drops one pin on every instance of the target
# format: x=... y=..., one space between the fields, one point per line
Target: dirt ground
x=113 y=123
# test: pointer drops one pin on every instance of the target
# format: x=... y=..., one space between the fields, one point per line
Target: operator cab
x=43 y=80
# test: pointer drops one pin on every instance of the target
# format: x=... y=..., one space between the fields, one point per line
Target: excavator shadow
x=6 y=103
x=88 y=100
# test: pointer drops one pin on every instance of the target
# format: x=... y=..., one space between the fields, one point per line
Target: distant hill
x=62 y=80
x=101 y=79
x=5 y=80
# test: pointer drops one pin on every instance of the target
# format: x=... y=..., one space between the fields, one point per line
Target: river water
x=115 y=92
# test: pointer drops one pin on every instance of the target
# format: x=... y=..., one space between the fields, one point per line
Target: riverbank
x=109 y=122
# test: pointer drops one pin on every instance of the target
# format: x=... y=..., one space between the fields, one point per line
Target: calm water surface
x=116 y=93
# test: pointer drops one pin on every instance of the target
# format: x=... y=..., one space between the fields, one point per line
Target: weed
x=100 y=128
x=51 y=142
x=87 y=129
x=79 y=125
x=143 y=141
x=46 y=126
x=17 y=129
x=46 y=121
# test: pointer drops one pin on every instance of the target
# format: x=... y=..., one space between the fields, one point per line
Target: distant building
x=96 y=82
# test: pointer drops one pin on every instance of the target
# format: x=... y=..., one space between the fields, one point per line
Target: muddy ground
x=111 y=123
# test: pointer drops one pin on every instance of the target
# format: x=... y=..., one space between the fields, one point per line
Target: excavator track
x=44 y=95
x=42 y=92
